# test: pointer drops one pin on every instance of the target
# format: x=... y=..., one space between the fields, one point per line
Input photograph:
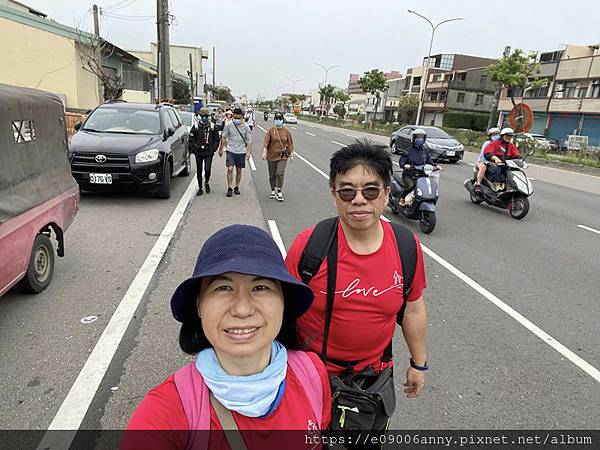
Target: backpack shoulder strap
x=407 y=249
x=317 y=248
x=194 y=396
x=304 y=368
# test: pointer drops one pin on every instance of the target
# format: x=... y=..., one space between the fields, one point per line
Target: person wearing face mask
x=278 y=147
x=237 y=140
x=417 y=155
x=499 y=151
x=203 y=143
x=482 y=163
x=238 y=314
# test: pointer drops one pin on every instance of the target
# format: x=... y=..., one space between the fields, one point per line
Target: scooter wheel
x=475 y=198
x=519 y=207
x=427 y=222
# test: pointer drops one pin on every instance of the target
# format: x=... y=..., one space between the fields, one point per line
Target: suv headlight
x=147 y=156
x=434 y=146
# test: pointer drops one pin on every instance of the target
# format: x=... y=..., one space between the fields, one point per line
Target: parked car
x=544 y=142
x=290 y=118
x=38 y=196
x=440 y=144
x=132 y=146
x=187 y=118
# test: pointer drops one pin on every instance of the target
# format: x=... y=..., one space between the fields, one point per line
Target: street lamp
x=293 y=84
x=433 y=28
x=326 y=69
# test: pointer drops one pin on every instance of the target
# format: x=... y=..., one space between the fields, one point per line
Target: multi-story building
x=354 y=87
x=568 y=103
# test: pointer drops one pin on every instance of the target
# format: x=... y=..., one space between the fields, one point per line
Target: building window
x=595 y=93
x=516 y=91
x=460 y=98
x=436 y=77
x=461 y=76
x=541 y=92
x=433 y=96
x=569 y=89
x=479 y=100
x=442 y=96
x=483 y=79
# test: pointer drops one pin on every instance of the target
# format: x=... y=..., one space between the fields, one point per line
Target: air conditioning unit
x=575 y=142
x=559 y=94
x=560 y=87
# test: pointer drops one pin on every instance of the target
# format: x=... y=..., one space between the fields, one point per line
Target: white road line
x=531 y=178
x=295 y=128
x=310 y=134
x=252 y=165
x=277 y=237
x=261 y=128
x=352 y=136
x=589 y=229
x=311 y=164
x=339 y=143
x=545 y=337
x=471 y=164
x=75 y=406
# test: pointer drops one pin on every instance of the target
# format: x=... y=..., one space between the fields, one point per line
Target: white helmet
x=493 y=130
x=420 y=132
x=507 y=131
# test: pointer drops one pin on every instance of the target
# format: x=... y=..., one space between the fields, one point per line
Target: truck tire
x=41 y=266
x=164 y=191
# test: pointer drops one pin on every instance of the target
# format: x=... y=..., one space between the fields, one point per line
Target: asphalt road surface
x=513 y=305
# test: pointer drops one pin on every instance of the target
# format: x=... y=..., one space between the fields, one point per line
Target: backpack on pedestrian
x=365 y=400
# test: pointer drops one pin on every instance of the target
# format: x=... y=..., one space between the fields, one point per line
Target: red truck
x=38 y=196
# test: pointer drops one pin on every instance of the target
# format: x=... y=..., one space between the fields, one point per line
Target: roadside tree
x=408 y=105
x=374 y=83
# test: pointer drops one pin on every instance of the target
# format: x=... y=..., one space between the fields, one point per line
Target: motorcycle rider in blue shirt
x=417 y=155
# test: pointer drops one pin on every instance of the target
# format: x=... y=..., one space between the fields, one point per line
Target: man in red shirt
x=369 y=282
x=498 y=152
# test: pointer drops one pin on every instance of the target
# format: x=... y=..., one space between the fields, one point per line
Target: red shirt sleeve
x=326 y=417
x=513 y=151
x=159 y=422
x=419 y=281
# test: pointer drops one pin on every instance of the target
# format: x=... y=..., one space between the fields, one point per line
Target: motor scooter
x=511 y=194
x=420 y=202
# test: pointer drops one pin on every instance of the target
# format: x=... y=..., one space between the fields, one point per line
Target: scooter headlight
x=428 y=169
x=419 y=192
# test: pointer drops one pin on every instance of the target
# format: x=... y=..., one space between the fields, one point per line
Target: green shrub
x=471 y=121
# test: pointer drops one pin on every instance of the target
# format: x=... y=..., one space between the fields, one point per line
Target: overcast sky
x=260 y=43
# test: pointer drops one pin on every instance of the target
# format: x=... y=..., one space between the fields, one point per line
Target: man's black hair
x=365 y=153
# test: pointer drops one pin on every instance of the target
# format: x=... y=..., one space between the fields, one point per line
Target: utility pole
x=96 y=23
x=493 y=120
x=214 y=68
x=191 y=83
x=164 y=59
x=98 y=52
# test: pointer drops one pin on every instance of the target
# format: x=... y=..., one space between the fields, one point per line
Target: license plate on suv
x=100 y=178
x=451 y=153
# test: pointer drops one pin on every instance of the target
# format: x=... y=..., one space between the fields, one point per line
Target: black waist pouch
x=363 y=401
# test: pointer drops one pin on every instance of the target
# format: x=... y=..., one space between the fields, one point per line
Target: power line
x=119 y=5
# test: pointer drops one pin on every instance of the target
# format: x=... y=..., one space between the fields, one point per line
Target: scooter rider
x=482 y=163
x=417 y=155
x=499 y=151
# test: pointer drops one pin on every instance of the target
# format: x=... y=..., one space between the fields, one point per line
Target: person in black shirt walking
x=203 y=143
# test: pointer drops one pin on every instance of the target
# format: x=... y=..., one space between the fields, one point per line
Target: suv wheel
x=41 y=266
x=165 y=188
x=393 y=147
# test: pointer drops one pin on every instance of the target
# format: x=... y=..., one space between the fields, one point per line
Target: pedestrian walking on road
x=250 y=118
x=373 y=278
x=203 y=143
x=278 y=147
x=236 y=138
x=238 y=313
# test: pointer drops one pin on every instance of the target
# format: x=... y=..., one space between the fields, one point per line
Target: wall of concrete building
x=36 y=58
x=136 y=96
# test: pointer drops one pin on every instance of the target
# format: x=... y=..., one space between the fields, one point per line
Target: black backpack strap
x=317 y=248
x=331 y=279
x=407 y=249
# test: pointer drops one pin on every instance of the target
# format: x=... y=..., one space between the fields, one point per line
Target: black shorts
x=235 y=159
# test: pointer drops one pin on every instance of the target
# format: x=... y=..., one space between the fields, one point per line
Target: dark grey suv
x=132 y=146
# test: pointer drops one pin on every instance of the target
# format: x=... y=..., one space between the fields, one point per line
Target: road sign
x=521 y=118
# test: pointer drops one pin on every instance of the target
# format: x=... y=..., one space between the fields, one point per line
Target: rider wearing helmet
x=501 y=150
x=417 y=155
x=482 y=163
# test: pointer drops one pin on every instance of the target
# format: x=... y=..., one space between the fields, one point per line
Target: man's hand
x=220 y=153
x=248 y=156
x=264 y=153
x=415 y=381
x=407 y=166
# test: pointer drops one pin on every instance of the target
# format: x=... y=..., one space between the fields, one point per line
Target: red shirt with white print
x=160 y=423
x=368 y=296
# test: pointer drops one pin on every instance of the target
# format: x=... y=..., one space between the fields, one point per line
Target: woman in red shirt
x=238 y=314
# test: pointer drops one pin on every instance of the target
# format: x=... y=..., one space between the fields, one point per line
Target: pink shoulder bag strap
x=307 y=373
x=194 y=396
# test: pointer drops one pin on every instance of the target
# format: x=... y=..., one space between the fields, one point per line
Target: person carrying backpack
x=238 y=313
x=366 y=274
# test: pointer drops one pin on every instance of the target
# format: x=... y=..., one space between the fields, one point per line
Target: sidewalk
x=574 y=180
x=150 y=349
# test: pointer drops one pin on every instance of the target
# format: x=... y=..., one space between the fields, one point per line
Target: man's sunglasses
x=203 y=116
x=369 y=193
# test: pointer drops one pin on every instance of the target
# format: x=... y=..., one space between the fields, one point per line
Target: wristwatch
x=421 y=368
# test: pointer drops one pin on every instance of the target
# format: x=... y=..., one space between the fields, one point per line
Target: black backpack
x=323 y=242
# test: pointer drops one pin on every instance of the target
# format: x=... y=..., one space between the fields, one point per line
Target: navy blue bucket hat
x=247 y=250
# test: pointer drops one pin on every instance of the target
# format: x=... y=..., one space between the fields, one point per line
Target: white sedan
x=290 y=118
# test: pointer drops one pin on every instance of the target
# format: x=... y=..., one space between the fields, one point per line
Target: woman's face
x=241 y=314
